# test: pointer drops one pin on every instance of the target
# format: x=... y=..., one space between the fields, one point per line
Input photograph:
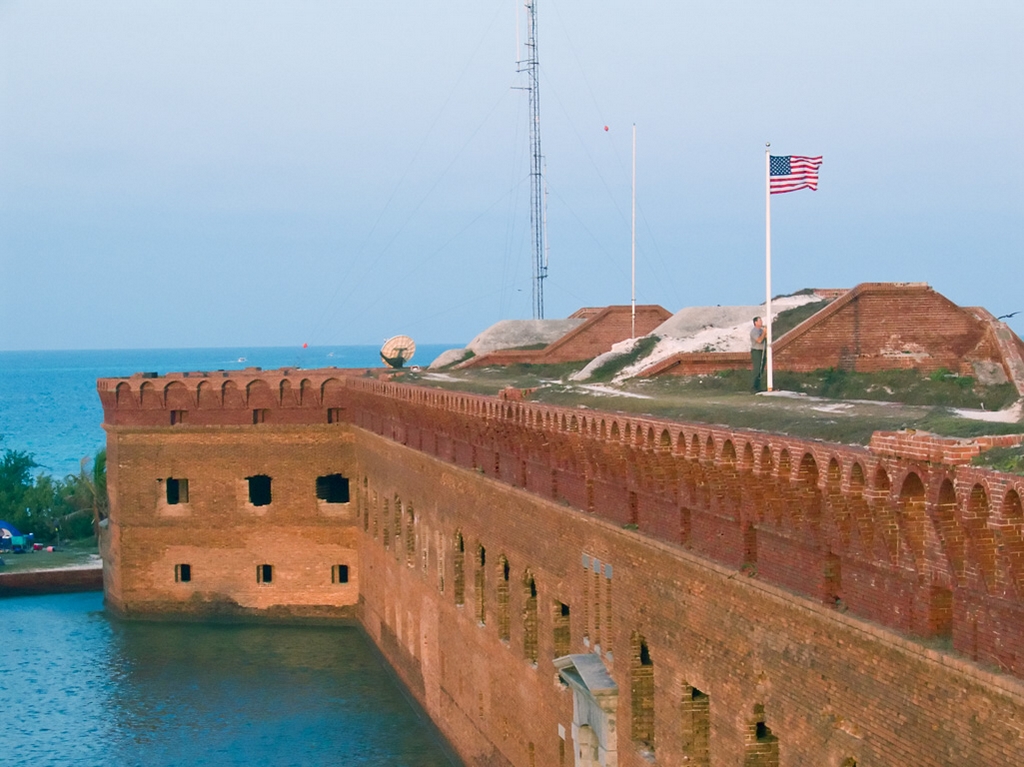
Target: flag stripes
x=792 y=172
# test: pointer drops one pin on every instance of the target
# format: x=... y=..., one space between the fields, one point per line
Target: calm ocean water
x=78 y=688
x=49 y=406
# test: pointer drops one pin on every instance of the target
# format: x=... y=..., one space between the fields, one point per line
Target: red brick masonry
x=756 y=599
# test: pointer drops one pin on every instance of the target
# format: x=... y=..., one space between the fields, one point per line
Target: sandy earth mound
x=696 y=329
x=509 y=334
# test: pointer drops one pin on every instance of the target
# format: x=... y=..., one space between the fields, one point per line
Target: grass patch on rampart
x=786 y=320
x=845 y=408
x=1007 y=459
x=607 y=371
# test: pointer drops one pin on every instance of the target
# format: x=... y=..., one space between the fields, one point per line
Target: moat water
x=79 y=688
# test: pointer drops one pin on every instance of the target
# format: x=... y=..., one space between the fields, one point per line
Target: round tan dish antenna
x=397 y=351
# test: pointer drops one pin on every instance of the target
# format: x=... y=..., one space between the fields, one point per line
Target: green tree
x=86 y=493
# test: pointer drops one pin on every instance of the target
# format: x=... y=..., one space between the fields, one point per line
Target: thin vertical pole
x=768 y=260
x=632 y=332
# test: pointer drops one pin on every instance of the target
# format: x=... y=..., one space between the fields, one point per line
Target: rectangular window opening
x=332 y=488
x=264 y=573
x=334 y=414
x=177 y=491
x=177 y=417
x=339 y=574
x=259 y=490
x=259 y=415
x=182 y=573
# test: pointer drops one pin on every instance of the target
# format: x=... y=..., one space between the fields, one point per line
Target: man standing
x=758 y=333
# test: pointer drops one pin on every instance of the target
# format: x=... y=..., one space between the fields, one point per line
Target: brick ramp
x=602 y=328
x=58 y=581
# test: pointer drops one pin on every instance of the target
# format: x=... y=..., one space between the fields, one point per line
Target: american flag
x=787 y=174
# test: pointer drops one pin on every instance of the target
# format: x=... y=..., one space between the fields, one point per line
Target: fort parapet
x=567 y=586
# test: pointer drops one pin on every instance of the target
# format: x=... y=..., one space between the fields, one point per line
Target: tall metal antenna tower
x=531 y=66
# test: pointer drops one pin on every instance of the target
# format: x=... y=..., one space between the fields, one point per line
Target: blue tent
x=7 y=531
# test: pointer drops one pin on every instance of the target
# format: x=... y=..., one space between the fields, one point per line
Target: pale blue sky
x=177 y=174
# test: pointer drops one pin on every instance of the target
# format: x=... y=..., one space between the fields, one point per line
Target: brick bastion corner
x=562 y=585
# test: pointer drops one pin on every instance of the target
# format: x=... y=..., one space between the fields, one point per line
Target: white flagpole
x=768 y=260
x=632 y=332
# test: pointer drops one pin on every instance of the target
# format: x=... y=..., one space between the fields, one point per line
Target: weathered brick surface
x=602 y=328
x=782 y=578
x=32 y=582
x=878 y=326
x=218 y=533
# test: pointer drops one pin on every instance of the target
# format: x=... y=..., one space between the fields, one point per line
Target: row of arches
x=244 y=394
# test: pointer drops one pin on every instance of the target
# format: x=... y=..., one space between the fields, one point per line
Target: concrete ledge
x=58 y=581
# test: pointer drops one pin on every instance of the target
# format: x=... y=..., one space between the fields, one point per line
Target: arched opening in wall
x=807 y=474
x=982 y=538
x=648 y=441
x=911 y=517
x=762 y=747
x=604 y=430
x=286 y=395
x=695 y=716
x=386 y=532
x=748 y=457
x=709 y=448
x=481 y=584
x=949 y=531
x=680 y=448
x=123 y=397
x=784 y=464
x=607 y=568
x=1011 y=535
x=410 y=536
x=561 y=630
x=767 y=464
x=504 y=627
x=695 y=447
x=149 y=396
x=938 y=616
x=641 y=669
x=564 y=426
x=307 y=393
x=628 y=433
x=459 y=568
x=833 y=581
x=728 y=453
x=364 y=502
x=834 y=476
x=749 y=549
x=810 y=495
x=376 y=516
x=882 y=482
x=685 y=529
x=615 y=431
x=530 y=618
x=574 y=425
x=862 y=517
x=398 y=528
